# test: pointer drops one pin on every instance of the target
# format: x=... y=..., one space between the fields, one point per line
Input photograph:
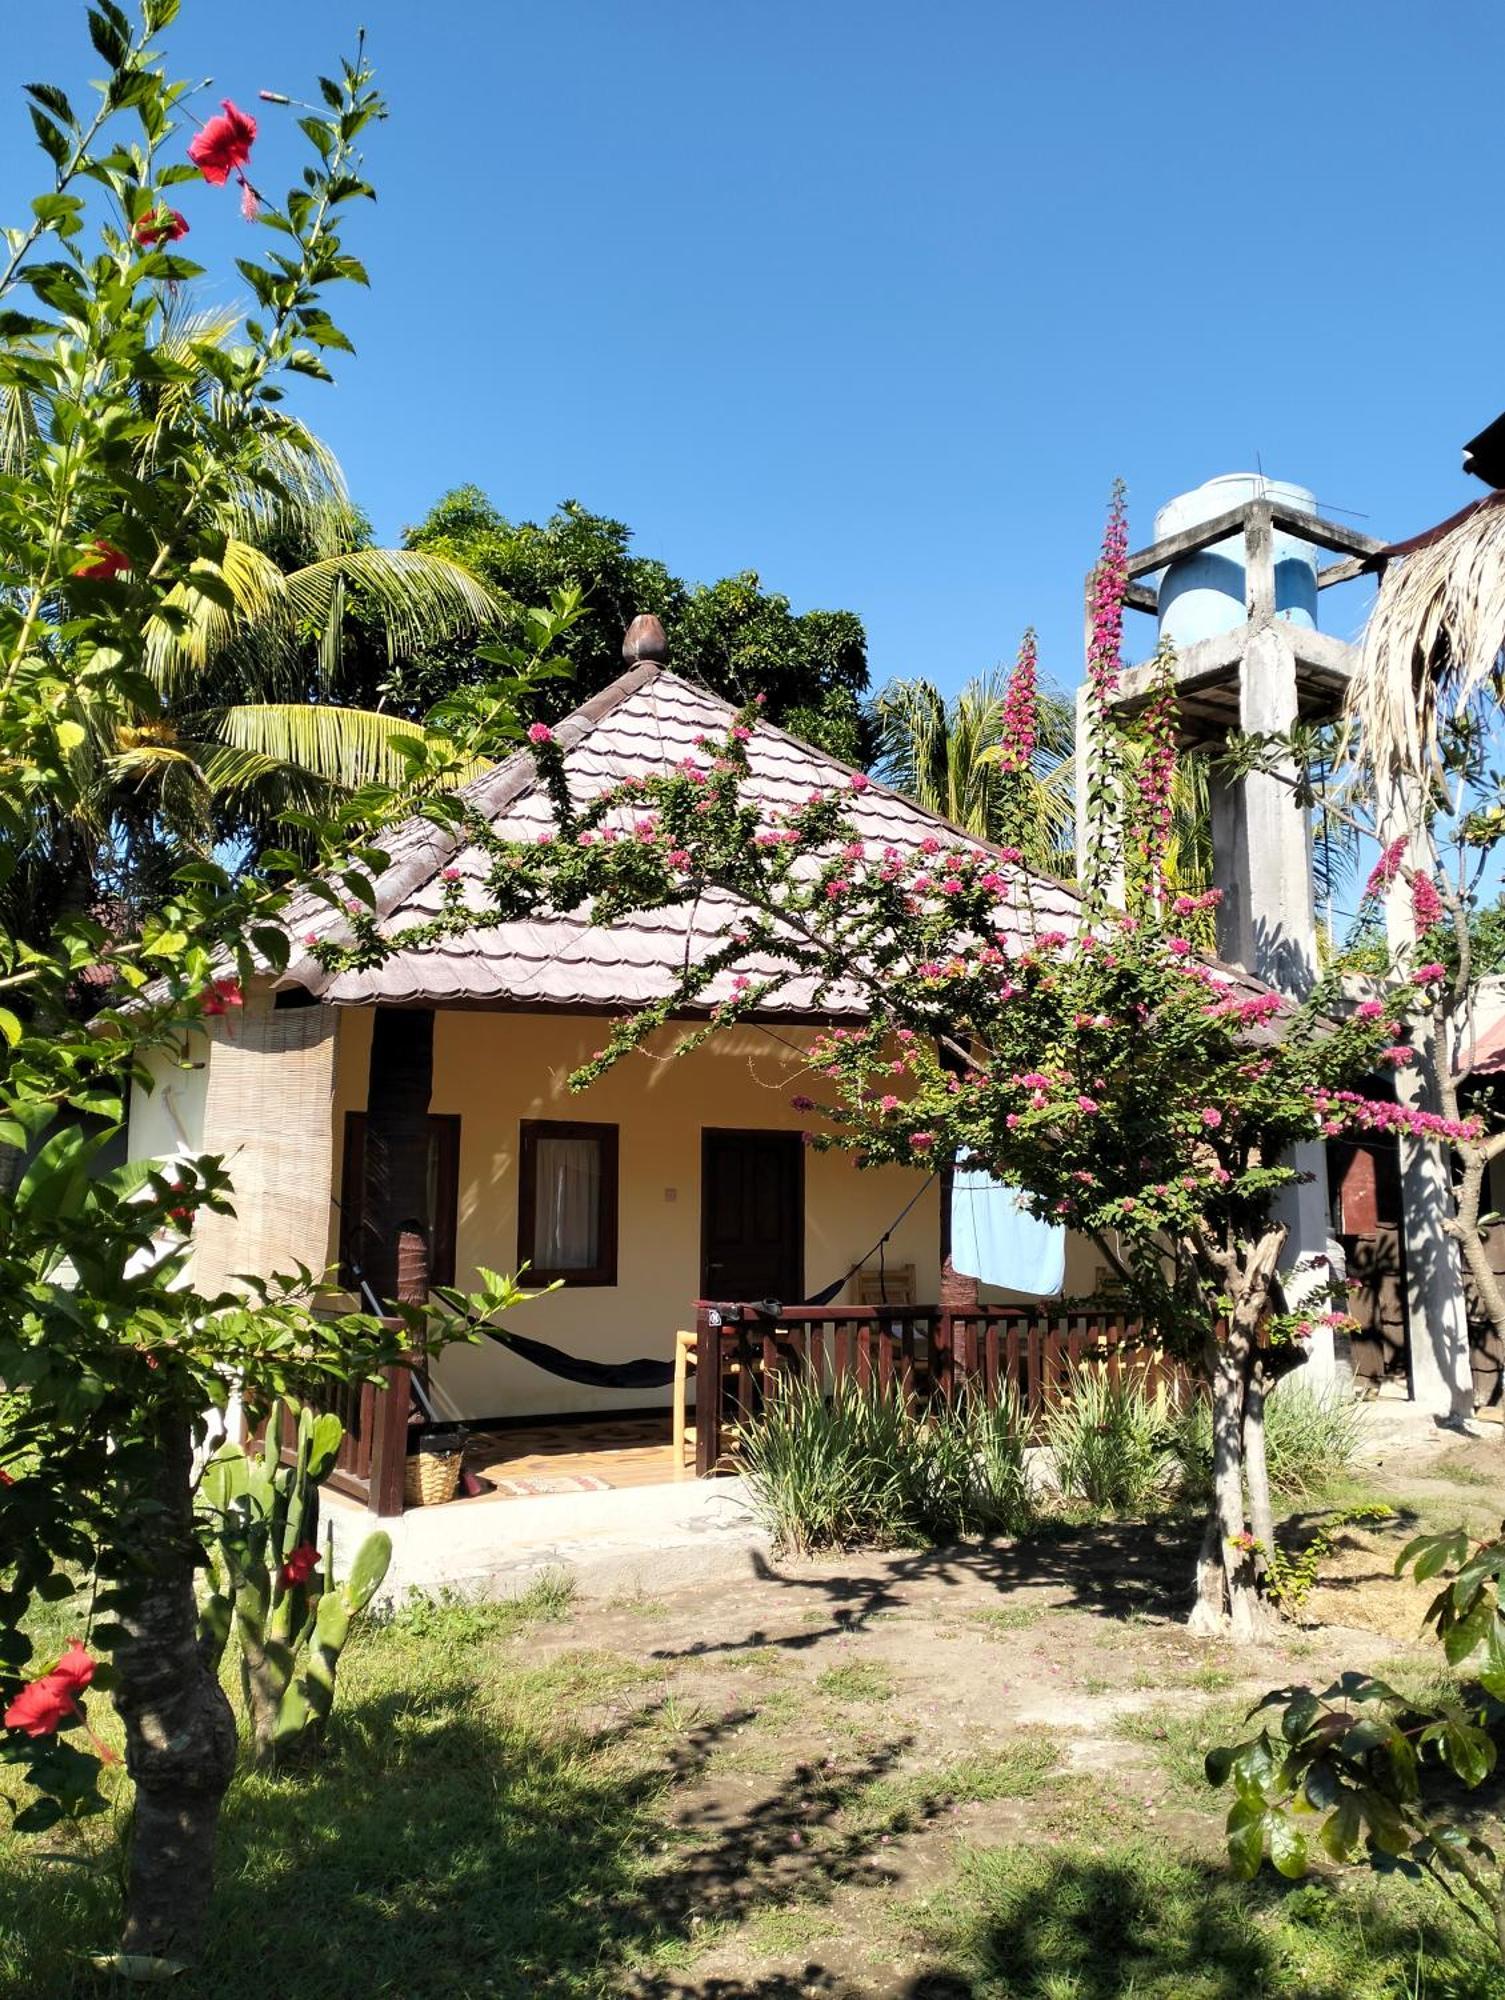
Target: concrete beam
x=1313 y=528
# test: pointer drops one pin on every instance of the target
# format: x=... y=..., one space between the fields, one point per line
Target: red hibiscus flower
x=48 y=1703
x=159 y=225
x=300 y=1565
x=6 y=1478
x=223 y=994
x=224 y=145
x=106 y=562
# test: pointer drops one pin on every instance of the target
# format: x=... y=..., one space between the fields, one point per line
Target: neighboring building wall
x=167 y=1121
x=494 y=1070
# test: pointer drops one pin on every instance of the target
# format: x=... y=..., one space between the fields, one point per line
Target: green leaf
x=1246 y=1839
x=51 y=99
x=10 y=1028
x=1472 y=1630
x=1340 y=1834
x=52 y=141
x=1287 y=1845
x=1300 y=1714
x=1218 y=1763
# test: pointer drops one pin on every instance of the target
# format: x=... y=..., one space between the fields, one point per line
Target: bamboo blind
x=268 y=1111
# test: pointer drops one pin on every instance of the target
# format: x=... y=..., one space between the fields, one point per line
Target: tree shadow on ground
x=445 y=1847
x=1117 y=1569
x=1153 y=1926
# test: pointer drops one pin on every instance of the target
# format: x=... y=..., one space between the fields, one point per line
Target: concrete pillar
x=1262 y=862
x=1436 y=1316
x=1306 y=1267
x=1261 y=837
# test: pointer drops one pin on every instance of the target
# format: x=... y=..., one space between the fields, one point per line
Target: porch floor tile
x=573 y=1458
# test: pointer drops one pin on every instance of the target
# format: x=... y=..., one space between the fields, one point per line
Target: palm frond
x=421 y=599
x=345 y=748
x=1432 y=644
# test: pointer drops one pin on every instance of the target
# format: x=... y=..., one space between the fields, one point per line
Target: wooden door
x=752 y=1216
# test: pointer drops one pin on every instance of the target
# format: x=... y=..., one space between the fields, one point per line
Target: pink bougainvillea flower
x=224 y=994
x=1212 y=1118
x=159 y=225
x=300 y=1565
x=540 y=732
x=1426 y=904
x=224 y=145
x=921 y=1142
x=803 y=1103
x=46 y=1704
x=107 y=561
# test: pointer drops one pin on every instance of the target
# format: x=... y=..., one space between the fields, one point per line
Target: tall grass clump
x=1111 y=1442
x=1313 y=1436
x=858 y=1465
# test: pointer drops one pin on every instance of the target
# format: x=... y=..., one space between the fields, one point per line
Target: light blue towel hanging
x=994 y=1240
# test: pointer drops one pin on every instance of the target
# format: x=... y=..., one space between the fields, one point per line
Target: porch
x=737 y=1357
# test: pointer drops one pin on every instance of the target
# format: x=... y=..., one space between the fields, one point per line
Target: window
x=357 y=1229
x=567 y=1202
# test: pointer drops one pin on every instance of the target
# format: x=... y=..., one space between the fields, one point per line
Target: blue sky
x=877 y=299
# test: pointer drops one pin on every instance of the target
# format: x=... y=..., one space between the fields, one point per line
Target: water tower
x=1234 y=579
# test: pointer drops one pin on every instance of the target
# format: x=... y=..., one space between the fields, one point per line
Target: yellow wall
x=497 y=1069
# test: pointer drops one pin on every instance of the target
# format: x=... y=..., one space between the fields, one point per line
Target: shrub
x=859 y=1465
x=1112 y=1443
x=1312 y=1438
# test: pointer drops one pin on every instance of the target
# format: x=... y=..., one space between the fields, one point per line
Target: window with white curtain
x=567 y=1202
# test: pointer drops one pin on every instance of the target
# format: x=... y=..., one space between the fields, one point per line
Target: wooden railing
x=922 y=1351
x=372 y=1457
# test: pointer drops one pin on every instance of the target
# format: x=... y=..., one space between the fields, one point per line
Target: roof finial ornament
x=645 y=640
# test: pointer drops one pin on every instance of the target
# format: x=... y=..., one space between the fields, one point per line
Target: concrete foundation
x=637 y=1540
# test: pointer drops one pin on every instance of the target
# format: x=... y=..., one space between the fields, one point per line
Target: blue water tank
x=1203 y=594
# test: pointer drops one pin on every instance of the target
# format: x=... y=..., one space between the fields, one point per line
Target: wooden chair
x=684 y=1431
x=891 y=1286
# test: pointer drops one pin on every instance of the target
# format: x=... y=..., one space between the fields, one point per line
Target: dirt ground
x=853 y=1726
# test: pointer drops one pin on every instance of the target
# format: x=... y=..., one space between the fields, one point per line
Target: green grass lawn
x=962 y=1792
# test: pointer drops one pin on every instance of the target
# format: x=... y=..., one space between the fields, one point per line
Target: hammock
x=639 y=1374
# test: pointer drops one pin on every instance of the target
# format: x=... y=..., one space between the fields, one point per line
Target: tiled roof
x=643 y=724
x=1485 y=1055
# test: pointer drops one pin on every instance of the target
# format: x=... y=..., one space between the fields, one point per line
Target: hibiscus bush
x=131 y=436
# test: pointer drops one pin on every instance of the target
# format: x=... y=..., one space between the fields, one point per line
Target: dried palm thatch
x=1431 y=650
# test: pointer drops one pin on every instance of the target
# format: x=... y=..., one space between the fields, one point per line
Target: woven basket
x=432 y=1477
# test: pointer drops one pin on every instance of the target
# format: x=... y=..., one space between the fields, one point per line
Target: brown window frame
x=530 y=1131
x=444 y=1133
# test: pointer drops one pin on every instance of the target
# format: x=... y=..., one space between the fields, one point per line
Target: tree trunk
x=1228 y=1598
x=179 y=1727
x=1256 y=1466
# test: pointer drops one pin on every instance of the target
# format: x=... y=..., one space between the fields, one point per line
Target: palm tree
x=240 y=719
x=944 y=756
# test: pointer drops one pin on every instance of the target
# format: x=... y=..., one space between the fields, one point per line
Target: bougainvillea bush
x=1134 y=1092
x=129 y=440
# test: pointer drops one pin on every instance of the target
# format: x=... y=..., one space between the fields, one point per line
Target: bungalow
x=667 y=1182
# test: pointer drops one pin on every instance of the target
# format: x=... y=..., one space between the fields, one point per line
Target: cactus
x=289 y=1615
